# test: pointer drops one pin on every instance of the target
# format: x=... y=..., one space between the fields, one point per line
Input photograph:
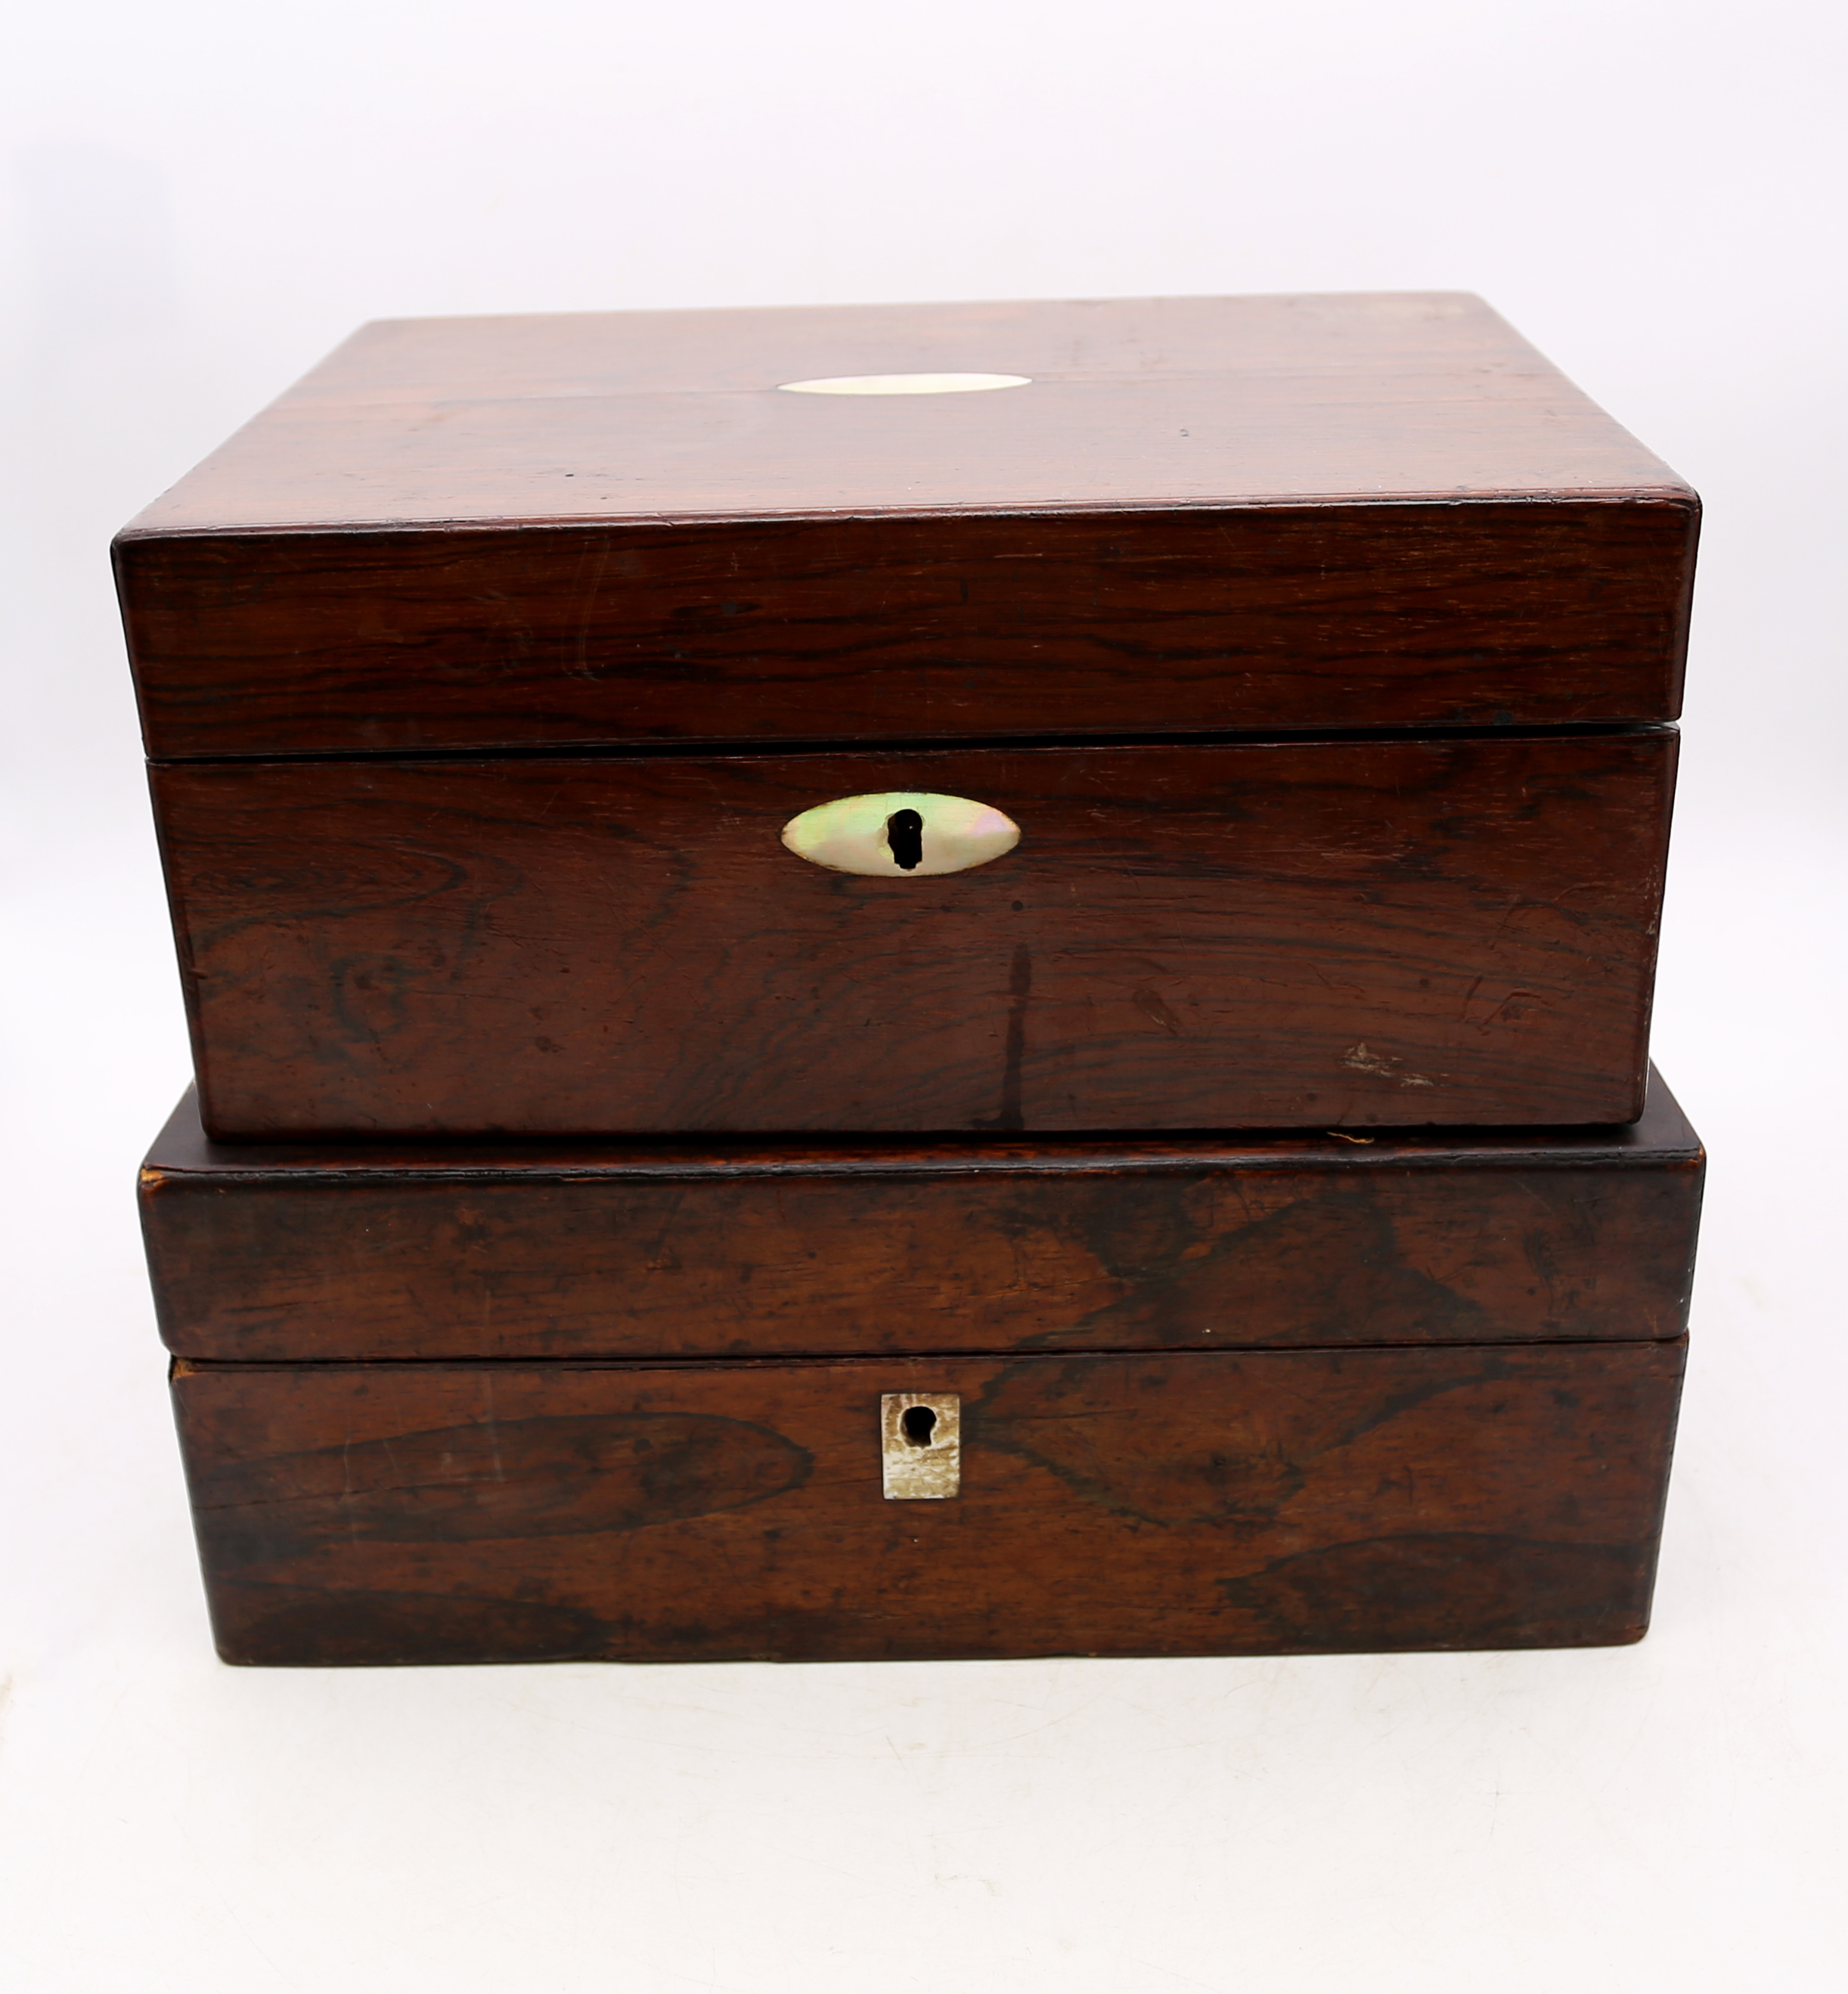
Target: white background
x=200 y=199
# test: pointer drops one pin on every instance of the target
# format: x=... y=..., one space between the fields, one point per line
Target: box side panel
x=1406 y=615
x=1269 y=1502
x=364 y=1267
x=1228 y=936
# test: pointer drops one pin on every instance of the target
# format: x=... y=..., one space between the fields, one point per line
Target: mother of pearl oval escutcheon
x=901 y=833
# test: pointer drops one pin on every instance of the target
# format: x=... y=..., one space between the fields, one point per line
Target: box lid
x=670 y=1250
x=1182 y=515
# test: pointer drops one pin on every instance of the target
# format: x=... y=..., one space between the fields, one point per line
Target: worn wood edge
x=1649 y=1079
x=1627 y=1638
x=1661 y=1137
x=180 y=1368
x=1628 y=1634
x=1659 y=1522
x=729 y=748
x=1677 y=686
x=179 y=920
x=1672 y=493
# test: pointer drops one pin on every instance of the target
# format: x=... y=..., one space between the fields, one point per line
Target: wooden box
x=662 y=1401
x=1321 y=651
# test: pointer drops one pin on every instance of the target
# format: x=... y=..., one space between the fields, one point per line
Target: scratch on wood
x=1149 y=1004
x=1384 y=1064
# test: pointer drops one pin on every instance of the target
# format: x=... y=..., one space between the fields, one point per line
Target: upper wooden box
x=499 y=679
x=1200 y=513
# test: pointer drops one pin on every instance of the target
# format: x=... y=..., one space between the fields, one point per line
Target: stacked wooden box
x=920 y=981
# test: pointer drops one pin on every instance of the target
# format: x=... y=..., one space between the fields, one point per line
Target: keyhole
x=917 y=1422
x=904 y=833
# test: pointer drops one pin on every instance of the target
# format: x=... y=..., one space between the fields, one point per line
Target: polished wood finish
x=1225 y=1395
x=1369 y=616
x=1258 y=514
x=1319 y=648
x=987 y=1245
x=1192 y=935
x=1173 y=1503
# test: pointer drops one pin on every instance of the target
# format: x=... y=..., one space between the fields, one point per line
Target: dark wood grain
x=1183 y=1503
x=669 y=1250
x=1199 y=936
x=1363 y=616
x=1260 y=514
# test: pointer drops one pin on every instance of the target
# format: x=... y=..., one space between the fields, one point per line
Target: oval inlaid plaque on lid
x=906 y=384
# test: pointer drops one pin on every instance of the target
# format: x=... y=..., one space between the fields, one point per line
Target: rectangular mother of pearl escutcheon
x=921 y=1445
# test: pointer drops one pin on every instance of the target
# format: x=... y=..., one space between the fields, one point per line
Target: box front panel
x=1223 y=1503
x=1138 y=622
x=1228 y=935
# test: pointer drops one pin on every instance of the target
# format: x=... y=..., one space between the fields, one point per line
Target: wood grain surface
x=1204 y=935
x=660 y=1250
x=1363 y=616
x=1182 y=1503
x=1258 y=514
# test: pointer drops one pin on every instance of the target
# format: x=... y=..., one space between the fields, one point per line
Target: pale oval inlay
x=901 y=835
x=906 y=384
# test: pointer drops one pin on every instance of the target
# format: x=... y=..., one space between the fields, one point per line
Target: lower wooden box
x=1214 y=1395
